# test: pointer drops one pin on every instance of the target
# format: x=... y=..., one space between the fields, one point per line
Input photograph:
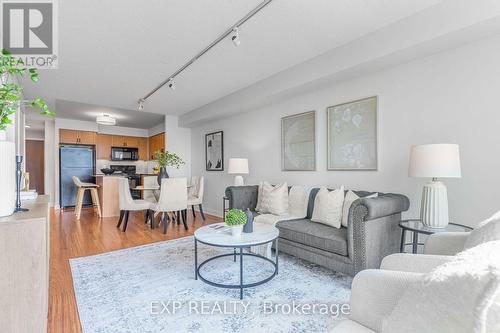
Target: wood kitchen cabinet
x=156 y=142
x=142 y=144
x=103 y=146
x=125 y=141
x=77 y=137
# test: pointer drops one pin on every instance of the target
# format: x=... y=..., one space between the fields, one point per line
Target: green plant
x=235 y=217
x=11 y=73
x=166 y=159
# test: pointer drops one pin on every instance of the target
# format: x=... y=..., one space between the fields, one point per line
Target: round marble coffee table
x=219 y=235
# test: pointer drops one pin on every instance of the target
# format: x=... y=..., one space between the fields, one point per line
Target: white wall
x=178 y=140
x=450 y=97
x=38 y=135
x=50 y=154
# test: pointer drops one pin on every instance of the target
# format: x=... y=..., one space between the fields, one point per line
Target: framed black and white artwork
x=214 y=151
x=298 y=142
x=352 y=135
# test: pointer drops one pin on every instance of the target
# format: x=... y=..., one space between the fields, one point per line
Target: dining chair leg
x=165 y=221
x=152 y=218
x=122 y=212
x=184 y=218
x=126 y=220
x=146 y=216
x=201 y=212
x=178 y=217
x=192 y=210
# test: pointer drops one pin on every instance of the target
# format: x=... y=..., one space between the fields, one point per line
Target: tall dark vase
x=163 y=174
x=248 y=227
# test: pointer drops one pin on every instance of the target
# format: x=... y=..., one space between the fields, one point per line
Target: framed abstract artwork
x=298 y=142
x=214 y=151
x=352 y=135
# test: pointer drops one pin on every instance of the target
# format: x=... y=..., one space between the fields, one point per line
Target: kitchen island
x=108 y=194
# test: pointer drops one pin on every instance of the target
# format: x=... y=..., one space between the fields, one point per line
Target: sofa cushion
x=274 y=199
x=328 y=207
x=316 y=235
x=298 y=198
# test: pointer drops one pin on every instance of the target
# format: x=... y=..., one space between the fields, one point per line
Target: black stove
x=133 y=178
x=129 y=170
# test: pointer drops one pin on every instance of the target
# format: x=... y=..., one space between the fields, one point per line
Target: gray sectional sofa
x=372 y=231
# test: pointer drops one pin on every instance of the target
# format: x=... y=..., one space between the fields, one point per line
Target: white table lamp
x=238 y=167
x=435 y=161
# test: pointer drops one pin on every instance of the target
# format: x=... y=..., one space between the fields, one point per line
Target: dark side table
x=417 y=227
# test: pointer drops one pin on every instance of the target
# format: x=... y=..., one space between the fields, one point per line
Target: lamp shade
x=238 y=166
x=435 y=161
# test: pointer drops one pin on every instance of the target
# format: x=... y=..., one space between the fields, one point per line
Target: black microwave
x=124 y=154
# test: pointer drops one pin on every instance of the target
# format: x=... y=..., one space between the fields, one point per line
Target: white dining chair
x=196 y=194
x=128 y=204
x=173 y=198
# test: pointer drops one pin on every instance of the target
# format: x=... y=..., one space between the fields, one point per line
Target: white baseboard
x=209 y=211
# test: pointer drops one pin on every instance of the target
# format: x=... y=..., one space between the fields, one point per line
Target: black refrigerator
x=75 y=161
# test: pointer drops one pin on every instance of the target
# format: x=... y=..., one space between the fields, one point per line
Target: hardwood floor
x=89 y=236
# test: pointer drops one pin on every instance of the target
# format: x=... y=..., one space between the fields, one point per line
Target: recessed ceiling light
x=105 y=119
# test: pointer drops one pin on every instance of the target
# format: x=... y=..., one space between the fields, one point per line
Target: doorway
x=35 y=164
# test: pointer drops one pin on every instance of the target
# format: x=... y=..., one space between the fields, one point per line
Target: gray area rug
x=152 y=288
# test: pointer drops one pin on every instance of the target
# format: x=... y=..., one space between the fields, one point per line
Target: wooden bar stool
x=82 y=187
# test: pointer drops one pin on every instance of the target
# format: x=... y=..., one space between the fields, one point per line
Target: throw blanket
x=298 y=199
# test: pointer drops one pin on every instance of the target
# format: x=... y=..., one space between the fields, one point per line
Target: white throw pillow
x=328 y=207
x=259 y=197
x=350 y=197
x=488 y=230
x=462 y=295
x=298 y=199
x=274 y=199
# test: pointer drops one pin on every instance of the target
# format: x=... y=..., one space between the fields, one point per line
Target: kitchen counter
x=108 y=194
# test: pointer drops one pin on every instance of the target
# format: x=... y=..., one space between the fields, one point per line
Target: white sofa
x=376 y=294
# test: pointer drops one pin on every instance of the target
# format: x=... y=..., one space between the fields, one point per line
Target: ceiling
x=112 y=53
x=124 y=118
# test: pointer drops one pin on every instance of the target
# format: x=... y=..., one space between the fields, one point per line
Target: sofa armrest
x=375 y=293
x=373 y=231
x=242 y=197
x=446 y=243
x=383 y=205
x=416 y=263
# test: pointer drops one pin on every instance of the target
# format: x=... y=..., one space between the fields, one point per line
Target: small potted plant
x=166 y=159
x=236 y=219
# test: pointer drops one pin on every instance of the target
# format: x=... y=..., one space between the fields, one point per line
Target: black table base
x=234 y=254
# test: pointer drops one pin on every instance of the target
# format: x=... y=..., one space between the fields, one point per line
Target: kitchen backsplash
x=141 y=166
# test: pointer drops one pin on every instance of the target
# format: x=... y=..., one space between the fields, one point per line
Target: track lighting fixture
x=235 y=36
x=171 y=83
x=232 y=31
x=141 y=105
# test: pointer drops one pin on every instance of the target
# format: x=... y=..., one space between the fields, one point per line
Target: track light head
x=171 y=83
x=235 y=36
x=140 y=107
